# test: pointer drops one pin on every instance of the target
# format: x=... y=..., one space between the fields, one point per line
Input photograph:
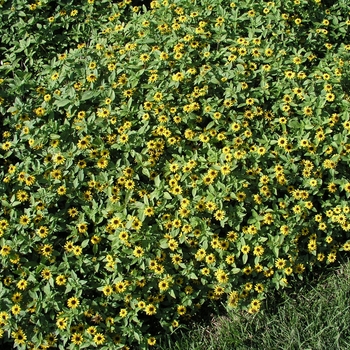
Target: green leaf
x=275 y=251
x=55 y=136
x=33 y=294
x=87 y=95
x=81 y=175
x=145 y=200
x=85 y=243
x=167 y=195
x=137 y=336
x=145 y=171
x=62 y=103
x=47 y=289
x=130 y=103
x=193 y=276
x=163 y=243
x=5 y=203
x=157 y=181
x=172 y=293
x=76 y=182
x=211 y=189
x=205 y=244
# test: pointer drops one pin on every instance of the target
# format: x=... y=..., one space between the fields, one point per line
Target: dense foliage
x=155 y=161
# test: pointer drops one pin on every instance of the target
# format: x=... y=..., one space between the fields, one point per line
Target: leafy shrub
x=36 y=32
x=196 y=153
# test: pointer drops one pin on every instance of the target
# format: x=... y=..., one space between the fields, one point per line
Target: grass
x=312 y=315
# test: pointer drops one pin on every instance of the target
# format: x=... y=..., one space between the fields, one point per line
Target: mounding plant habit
x=197 y=153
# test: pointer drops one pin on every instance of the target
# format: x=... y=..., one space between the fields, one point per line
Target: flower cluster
x=195 y=154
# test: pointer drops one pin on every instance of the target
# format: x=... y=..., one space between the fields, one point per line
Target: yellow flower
x=251 y=13
x=181 y=310
x=280 y=263
x=163 y=285
x=141 y=304
x=82 y=227
x=300 y=268
x=245 y=249
x=164 y=56
x=120 y=287
x=102 y=163
x=58 y=158
x=24 y=220
x=210 y=259
x=73 y=302
x=138 y=251
x=61 y=190
x=6 y=145
x=144 y=57
x=46 y=274
x=40 y=111
x=19 y=336
x=172 y=244
x=61 y=323
x=99 y=338
x=22 y=284
x=55 y=76
x=150 y=309
x=179 y=76
x=5 y=250
x=151 y=341
x=77 y=250
x=77 y=339
x=15 y=309
x=129 y=184
x=91 y=78
x=346 y=246
x=61 y=280
x=255 y=305
x=331 y=257
x=307 y=111
x=46 y=250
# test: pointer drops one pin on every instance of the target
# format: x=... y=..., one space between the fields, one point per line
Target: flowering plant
x=193 y=153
